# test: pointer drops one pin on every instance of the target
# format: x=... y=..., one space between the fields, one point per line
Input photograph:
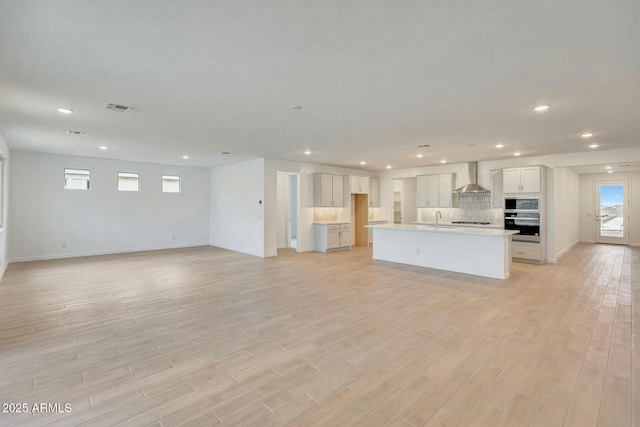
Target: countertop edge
x=491 y=232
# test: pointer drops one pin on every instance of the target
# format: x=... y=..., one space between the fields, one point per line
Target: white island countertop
x=452 y=224
x=499 y=232
x=480 y=251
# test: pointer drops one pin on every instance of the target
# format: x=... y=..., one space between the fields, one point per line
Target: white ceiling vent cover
x=120 y=108
x=76 y=132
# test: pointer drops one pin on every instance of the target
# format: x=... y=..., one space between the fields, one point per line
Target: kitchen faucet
x=438 y=213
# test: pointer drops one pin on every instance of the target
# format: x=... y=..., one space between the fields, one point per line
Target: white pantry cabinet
x=522 y=180
x=328 y=190
x=435 y=191
x=359 y=184
x=331 y=237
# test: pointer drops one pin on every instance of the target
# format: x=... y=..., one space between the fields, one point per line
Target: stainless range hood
x=473 y=186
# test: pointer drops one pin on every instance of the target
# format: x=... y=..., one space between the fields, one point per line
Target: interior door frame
x=624 y=240
x=293 y=177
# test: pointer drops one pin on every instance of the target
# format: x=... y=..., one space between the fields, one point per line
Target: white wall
x=565 y=209
x=587 y=209
x=48 y=221
x=4 y=203
x=237 y=206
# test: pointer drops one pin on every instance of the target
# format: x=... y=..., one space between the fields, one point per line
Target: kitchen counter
x=472 y=250
x=331 y=222
x=450 y=224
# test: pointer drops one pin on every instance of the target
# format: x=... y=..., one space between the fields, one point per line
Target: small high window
x=77 y=179
x=170 y=184
x=128 y=181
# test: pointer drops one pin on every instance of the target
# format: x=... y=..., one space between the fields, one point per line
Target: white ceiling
x=375 y=79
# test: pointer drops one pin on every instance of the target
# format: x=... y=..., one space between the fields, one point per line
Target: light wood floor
x=205 y=336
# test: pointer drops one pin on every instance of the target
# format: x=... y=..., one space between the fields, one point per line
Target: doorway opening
x=288 y=206
x=404 y=200
x=612 y=212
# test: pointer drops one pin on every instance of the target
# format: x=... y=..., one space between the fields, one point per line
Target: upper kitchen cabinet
x=497 y=199
x=521 y=180
x=435 y=191
x=374 y=193
x=328 y=190
x=359 y=184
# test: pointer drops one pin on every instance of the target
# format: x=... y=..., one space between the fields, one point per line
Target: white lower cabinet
x=527 y=252
x=331 y=237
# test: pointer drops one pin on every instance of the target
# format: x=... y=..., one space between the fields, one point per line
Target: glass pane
x=170 y=184
x=128 y=181
x=76 y=179
x=611 y=210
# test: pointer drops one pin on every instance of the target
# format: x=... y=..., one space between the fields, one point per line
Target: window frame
x=71 y=171
x=129 y=175
x=171 y=178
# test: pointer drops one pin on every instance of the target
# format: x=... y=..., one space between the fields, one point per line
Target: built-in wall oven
x=530 y=204
x=523 y=215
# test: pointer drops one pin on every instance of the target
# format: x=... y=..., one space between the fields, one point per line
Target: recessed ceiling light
x=517 y=153
x=307 y=152
x=609 y=171
x=607 y=167
x=419 y=156
x=296 y=107
x=541 y=108
x=103 y=147
x=586 y=135
x=65 y=110
x=593 y=145
x=388 y=167
x=363 y=163
x=499 y=145
x=443 y=161
x=185 y=157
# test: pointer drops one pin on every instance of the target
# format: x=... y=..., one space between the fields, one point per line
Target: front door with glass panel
x=612 y=212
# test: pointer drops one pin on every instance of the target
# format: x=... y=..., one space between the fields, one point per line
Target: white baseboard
x=108 y=252
x=4 y=268
x=301 y=250
x=229 y=248
x=564 y=251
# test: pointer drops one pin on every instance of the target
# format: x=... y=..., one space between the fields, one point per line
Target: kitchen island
x=480 y=251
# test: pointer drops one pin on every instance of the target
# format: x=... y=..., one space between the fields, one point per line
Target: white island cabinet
x=480 y=251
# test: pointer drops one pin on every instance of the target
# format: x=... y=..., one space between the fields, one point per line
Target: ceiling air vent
x=225 y=152
x=120 y=108
x=76 y=132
